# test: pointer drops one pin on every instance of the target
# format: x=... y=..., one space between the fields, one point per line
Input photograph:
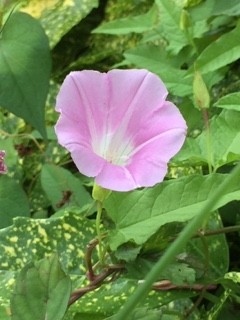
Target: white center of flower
x=114 y=149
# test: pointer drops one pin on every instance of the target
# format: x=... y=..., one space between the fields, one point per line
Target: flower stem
x=98 y=230
x=208 y=139
x=176 y=247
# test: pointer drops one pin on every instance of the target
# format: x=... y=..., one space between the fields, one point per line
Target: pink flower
x=3 y=168
x=118 y=127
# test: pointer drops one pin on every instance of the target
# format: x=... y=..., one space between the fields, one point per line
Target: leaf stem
x=176 y=247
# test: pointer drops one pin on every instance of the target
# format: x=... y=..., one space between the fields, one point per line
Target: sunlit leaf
x=58 y=16
x=32 y=239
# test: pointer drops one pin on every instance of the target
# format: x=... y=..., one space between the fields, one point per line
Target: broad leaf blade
x=138 y=215
x=42 y=291
x=24 y=69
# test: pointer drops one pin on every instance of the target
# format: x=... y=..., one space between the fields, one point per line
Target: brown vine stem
x=165 y=285
x=95 y=283
x=88 y=258
x=216 y=232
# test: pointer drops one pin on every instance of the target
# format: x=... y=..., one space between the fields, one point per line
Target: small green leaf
x=229 y=8
x=170 y=15
x=211 y=251
x=139 y=214
x=223 y=51
x=62 y=188
x=24 y=69
x=230 y=101
x=155 y=60
x=225 y=146
x=13 y=201
x=137 y=24
x=42 y=291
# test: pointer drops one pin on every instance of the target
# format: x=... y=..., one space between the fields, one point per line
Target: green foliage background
x=47 y=215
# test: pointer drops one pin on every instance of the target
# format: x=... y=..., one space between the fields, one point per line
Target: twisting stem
x=88 y=258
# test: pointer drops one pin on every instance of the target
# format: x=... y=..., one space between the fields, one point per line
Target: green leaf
x=7 y=283
x=67 y=235
x=170 y=15
x=156 y=60
x=180 y=274
x=139 y=214
x=223 y=51
x=211 y=251
x=213 y=313
x=42 y=291
x=225 y=147
x=62 y=188
x=110 y=297
x=24 y=69
x=13 y=203
x=137 y=24
x=229 y=8
x=230 y=101
x=58 y=17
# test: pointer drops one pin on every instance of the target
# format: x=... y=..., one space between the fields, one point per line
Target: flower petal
x=116 y=178
x=149 y=163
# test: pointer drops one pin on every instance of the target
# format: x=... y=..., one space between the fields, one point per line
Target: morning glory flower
x=3 y=168
x=118 y=127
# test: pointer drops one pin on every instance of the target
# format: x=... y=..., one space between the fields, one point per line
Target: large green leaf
x=13 y=201
x=139 y=214
x=58 y=16
x=42 y=291
x=24 y=69
x=221 y=52
x=62 y=188
x=67 y=235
